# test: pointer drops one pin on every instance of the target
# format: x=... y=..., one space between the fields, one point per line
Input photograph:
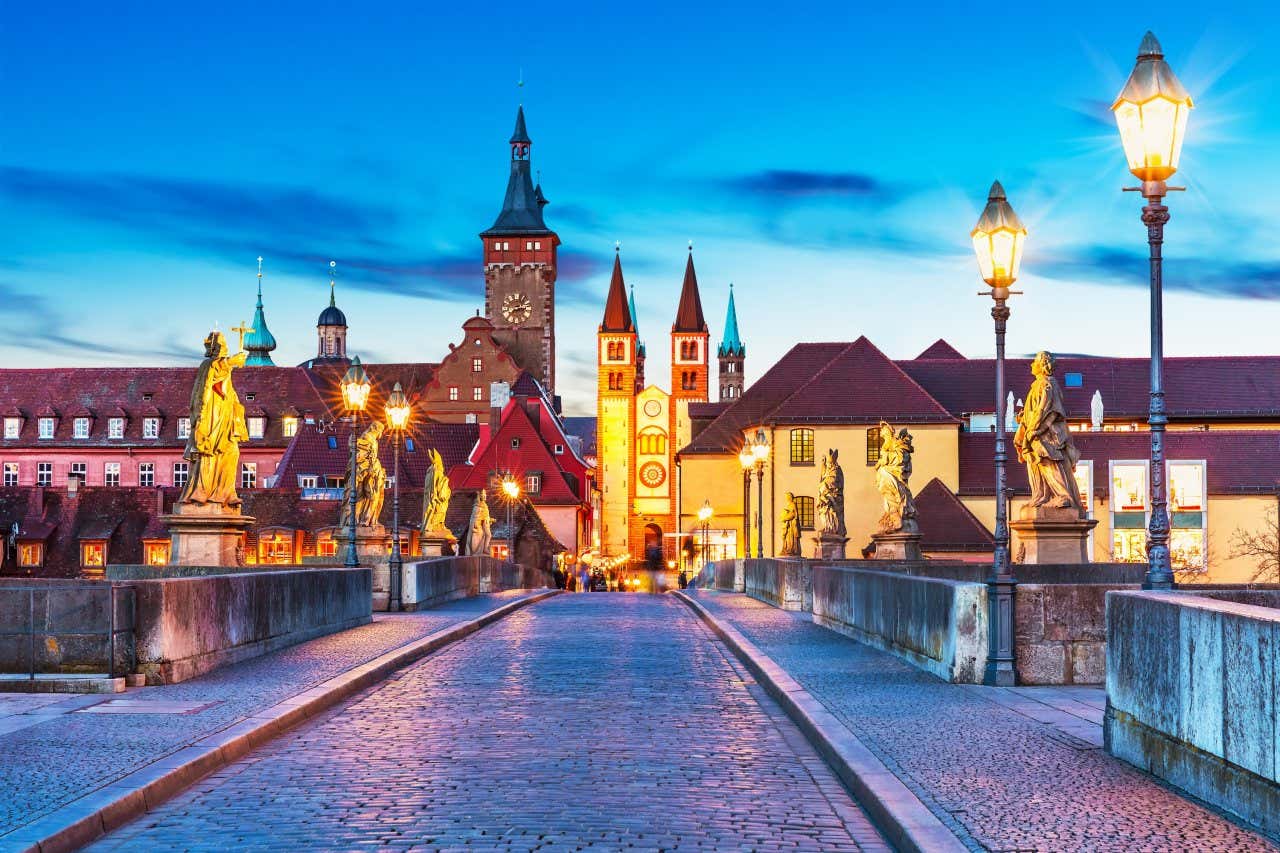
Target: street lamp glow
x=397 y=409
x=355 y=387
x=760 y=447
x=998 y=239
x=510 y=487
x=1151 y=112
x=705 y=512
x=746 y=458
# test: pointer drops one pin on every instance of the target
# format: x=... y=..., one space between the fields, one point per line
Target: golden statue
x=1044 y=443
x=435 y=495
x=217 y=428
x=370 y=480
x=893 y=475
x=480 y=533
x=790 y=520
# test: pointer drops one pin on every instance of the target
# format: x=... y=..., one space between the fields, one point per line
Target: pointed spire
x=520 y=136
x=258 y=341
x=635 y=322
x=521 y=213
x=731 y=346
x=617 y=314
x=332 y=316
x=689 y=317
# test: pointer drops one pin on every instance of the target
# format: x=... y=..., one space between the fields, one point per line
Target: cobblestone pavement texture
x=63 y=756
x=601 y=721
x=998 y=778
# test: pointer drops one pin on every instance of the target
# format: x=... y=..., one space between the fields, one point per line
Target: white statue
x=1095 y=411
x=1010 y=415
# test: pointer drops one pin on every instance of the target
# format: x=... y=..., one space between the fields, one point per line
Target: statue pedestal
x=438 y=543
x=830 y=546
x=897 y=545
x=373 y=550
x=1052 y=535
x=206 y=535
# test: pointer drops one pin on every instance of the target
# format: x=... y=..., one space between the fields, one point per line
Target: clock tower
x=520 y=269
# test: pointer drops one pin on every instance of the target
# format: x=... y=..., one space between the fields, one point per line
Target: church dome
x=332 y=316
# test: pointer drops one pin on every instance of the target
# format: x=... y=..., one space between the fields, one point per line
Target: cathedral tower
x=520 y=269
x=616 y=358
x=690 y=339
x=732 y=355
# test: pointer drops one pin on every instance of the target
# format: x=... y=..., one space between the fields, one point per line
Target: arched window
x=652 y=442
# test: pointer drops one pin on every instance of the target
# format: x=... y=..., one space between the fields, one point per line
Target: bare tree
x=1262 y=546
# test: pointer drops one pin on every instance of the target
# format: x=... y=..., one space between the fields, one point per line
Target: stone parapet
x=428 y=583
x=1060 y=632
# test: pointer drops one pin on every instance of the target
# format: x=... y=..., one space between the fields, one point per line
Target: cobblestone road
x=1000 y=780
x=61 y=756
x=586 y=721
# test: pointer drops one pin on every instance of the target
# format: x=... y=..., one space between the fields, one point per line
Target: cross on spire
x=243 y=329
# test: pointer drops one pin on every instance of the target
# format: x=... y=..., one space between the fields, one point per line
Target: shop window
x=93 y=555
x=1128 y=486
x=156 y=553
x=30 y=555
x=1187 y=499
x=1186 y=486
x=326 y=545
x=147 y=474
x=44 y=473
x=1084 y=485
x=1186 y=549
x=802 y=447
x=1129 y=545
x=804 y=511
x=275 y=549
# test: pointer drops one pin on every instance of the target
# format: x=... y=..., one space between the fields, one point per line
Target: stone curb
x=900 y=815
x=79 y=822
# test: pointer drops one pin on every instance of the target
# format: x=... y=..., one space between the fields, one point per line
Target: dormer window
x=12 y=427
x=150 y=427
x=46 y=427
x=257 y=426
x=115 y=428
x=80 y=428
x=289 y=426
x=146 y=398
x=515 y=444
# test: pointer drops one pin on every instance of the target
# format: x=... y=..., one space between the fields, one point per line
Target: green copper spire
x=635 y=322
x=259 y=342
x=731 y=345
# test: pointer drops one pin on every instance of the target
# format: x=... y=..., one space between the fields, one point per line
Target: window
x=181 y=472
x=30 y=554
x=257 y=426
x=1188 y=527
x=470 y=418
x=44 y=473
x=873 y=447
x=80 y=470
x=335 y=482
x=616 y=351
x=289 y=426
x=804 y=511
x=615 y=381
x=93 y=554
x=453 y=392
x=333 y=442
x=308 y=481
x=528 y=244
x=275 y=548
x=515 y=444
x=477 y=365
x=409 y=446
x=652 y=442
x=248 y=475
x=156 y=553
x=115 y=428
x=11 y=474
x=326 y=546
x=801 y=447
x=533 y=483
x=12 y=427
x=1073 y=380
x=80 y=428
x=147 y=474
x=1129 y=487
x=150 y=427
x=111 y=474
x=184 y=427
x=1129 y=505
x=46 y=426
x=477 y=393
x=559 y=450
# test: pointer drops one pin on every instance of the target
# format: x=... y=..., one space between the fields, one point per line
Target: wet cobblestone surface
x=58 y=759
x=600 y=721
x=998 y=779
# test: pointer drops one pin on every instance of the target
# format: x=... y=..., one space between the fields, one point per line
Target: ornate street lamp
x=355 y=395
x=747 y=460
x=760 y=450
x=997 y=241
x=397 y=412
x=510 y=489
x=1151 y=112
x=704 y=515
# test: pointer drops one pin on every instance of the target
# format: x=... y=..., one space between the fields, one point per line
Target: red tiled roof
x=1238 y=461
x=532 y=455
x=946 y=524
x=325 y=452
x=940 y=349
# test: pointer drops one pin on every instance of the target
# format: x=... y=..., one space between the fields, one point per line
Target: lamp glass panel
x=982 y=248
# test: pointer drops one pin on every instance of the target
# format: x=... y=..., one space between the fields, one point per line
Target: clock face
x=652 y=474
x=516 y=308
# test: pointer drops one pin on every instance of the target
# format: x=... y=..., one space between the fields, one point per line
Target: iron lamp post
x=397 y=413
x=511 y=490
x=704 y=516
x=760 y=450
x=997 y=241
x=1151 y=112
x=355 y=396
x=747 y=460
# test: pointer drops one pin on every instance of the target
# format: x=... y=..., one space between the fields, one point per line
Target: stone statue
x=480 y=531
x=830 y=505
x=893 y=473
x=435 y=495
x=1044 y=443
x=790 y=521
x=217 y=428
x=1096 y=412
x=370 y=480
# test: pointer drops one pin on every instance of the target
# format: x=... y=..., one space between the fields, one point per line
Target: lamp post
x=397 y=414
x=747 y=460
x=760 y=451
x=704 y=515
x=355 y=395
x=511 y=489
x=1151 y=112
x=997 y=241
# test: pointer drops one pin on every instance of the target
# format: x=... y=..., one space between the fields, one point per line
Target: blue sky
x=829 y=160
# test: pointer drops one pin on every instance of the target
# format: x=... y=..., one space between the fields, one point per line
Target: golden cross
x=243 y=329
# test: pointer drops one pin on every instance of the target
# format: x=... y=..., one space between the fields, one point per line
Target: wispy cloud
x=800 y=184
x=1210 y=277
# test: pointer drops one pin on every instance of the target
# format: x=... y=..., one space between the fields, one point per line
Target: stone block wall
x=1192 y=686
x=432 y=582
x=1060 y=632
x=64 y=627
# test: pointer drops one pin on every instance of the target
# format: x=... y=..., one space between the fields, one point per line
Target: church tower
x=690 y=339
x=635 y=323
x=732 y=354
x=331 y=327
x=616 y=358
x=520 y=269
x=259 y=342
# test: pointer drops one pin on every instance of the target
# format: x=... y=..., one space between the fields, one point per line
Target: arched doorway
x=653 y=546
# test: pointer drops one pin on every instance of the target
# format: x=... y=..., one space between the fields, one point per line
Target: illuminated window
x=1084 y=485
x=115 y=427
x=155 y=553
x=653 y=442
x=1188 y=527
x=30 y=554
x=326 y=546
x=181 y=473
x=150 y=427
x=80 y=428
x=1186 y=486
x=275 y=548
x=184 y=427
x=477 y=393
x=46 y=426
x=1129 y=505
x=93 y=554
x=257 y=427
x=804 y=511
x=453 y=392
x=12 y=427
x=873 y=447
x=11 y=474
x=111 y=474
x=477 y=365
x=289 y=426
x=44 y=473
x=1128 y=486
x=146 y=474
x=248 y=475
x=801 y=447
x=1129 y=546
